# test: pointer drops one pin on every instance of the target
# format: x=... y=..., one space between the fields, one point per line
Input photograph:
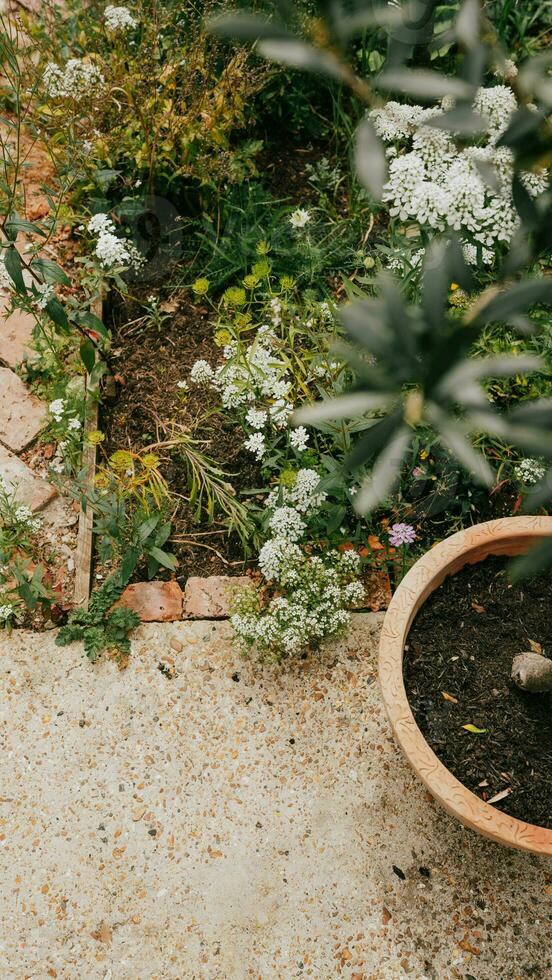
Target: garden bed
x=149 y=410
x=495 y=738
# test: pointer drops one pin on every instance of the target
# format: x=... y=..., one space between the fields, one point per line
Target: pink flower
x=401 y=534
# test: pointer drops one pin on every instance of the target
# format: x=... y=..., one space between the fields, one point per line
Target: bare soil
x=457 y=672
x=149 y=408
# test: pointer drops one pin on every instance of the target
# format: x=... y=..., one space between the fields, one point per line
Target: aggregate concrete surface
x=201 y=816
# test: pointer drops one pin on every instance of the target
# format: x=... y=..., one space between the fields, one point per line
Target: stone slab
x=30 y=488
x=22 y=414
x=15 y=334
x=154 y=602
x=222 y=819
x=209 y=598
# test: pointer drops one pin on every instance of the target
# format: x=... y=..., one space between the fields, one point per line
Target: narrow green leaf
x=298 y=54
x=336 y=409
x=92 y=322
x=57 y=313
x=424 y=84
x=167 y=561
x=517 y=299
x=88 y=354
x=370 y=158
x=14 y=268
x=385 y=473
x=15 y=224
x=148 y=527
x=50 y=271
x=467 y=23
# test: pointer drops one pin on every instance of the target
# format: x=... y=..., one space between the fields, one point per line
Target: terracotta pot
x=510 y=536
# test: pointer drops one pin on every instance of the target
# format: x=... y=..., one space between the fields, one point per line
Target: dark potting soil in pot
x=457 y=667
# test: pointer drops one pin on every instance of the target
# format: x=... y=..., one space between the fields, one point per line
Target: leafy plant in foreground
x=412 y=364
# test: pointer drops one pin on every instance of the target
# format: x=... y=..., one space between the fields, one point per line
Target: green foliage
x=21 y=574
x=99 y=628
x=171 y=102
x=331 y=244
x=411 y=364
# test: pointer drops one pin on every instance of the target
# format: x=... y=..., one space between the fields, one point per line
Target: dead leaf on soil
x=535 y=647
x=170 y=306
x=475 y=730
x=500 y=796
x=478 y=607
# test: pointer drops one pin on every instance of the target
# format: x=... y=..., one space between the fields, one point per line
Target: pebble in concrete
x=154 y=602
x=30 y=489
x=15 y=334
x=22 y=415
x=209 y=598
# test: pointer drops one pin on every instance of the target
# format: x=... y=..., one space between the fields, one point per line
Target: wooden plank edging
x=83 y=556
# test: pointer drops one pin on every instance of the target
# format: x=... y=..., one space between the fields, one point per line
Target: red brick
x=209 y=598
x=154 y=602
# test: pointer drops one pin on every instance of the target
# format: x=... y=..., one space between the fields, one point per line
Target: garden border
x=83 y=557
x=506 y=536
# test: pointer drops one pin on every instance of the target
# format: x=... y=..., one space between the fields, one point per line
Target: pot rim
x=506 y=536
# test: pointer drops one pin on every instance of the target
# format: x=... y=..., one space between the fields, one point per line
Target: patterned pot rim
x=508 y=536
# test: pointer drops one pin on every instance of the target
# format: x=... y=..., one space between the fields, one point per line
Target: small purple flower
x=401 y=534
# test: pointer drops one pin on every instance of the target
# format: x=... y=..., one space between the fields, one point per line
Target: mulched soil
x=149 y=363
x=462 y=644
x=283 y=167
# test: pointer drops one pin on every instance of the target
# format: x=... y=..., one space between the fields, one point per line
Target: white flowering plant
x=22 y=576
x=276 y=354
x=303 y=602
x=146 y=97
x=483 y=201
x=442 y=185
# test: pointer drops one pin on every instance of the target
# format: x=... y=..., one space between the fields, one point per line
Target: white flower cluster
x=439 y=185
x=289 y=505
x=7 y=610
x=58 y=411
x=304 y=494
x=13 y=514
x=299 y=438
x=256 y=444
x=77 y=80
x=110 y=250
x=314 y=608
x=299 y=218
x=118 y=19
x=530 y=471
x=286 y=522
x=45 y=293
x=24 y=517
x=5 y=280
x=253 y=375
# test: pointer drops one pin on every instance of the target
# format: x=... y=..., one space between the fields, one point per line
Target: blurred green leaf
x=370 y=158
